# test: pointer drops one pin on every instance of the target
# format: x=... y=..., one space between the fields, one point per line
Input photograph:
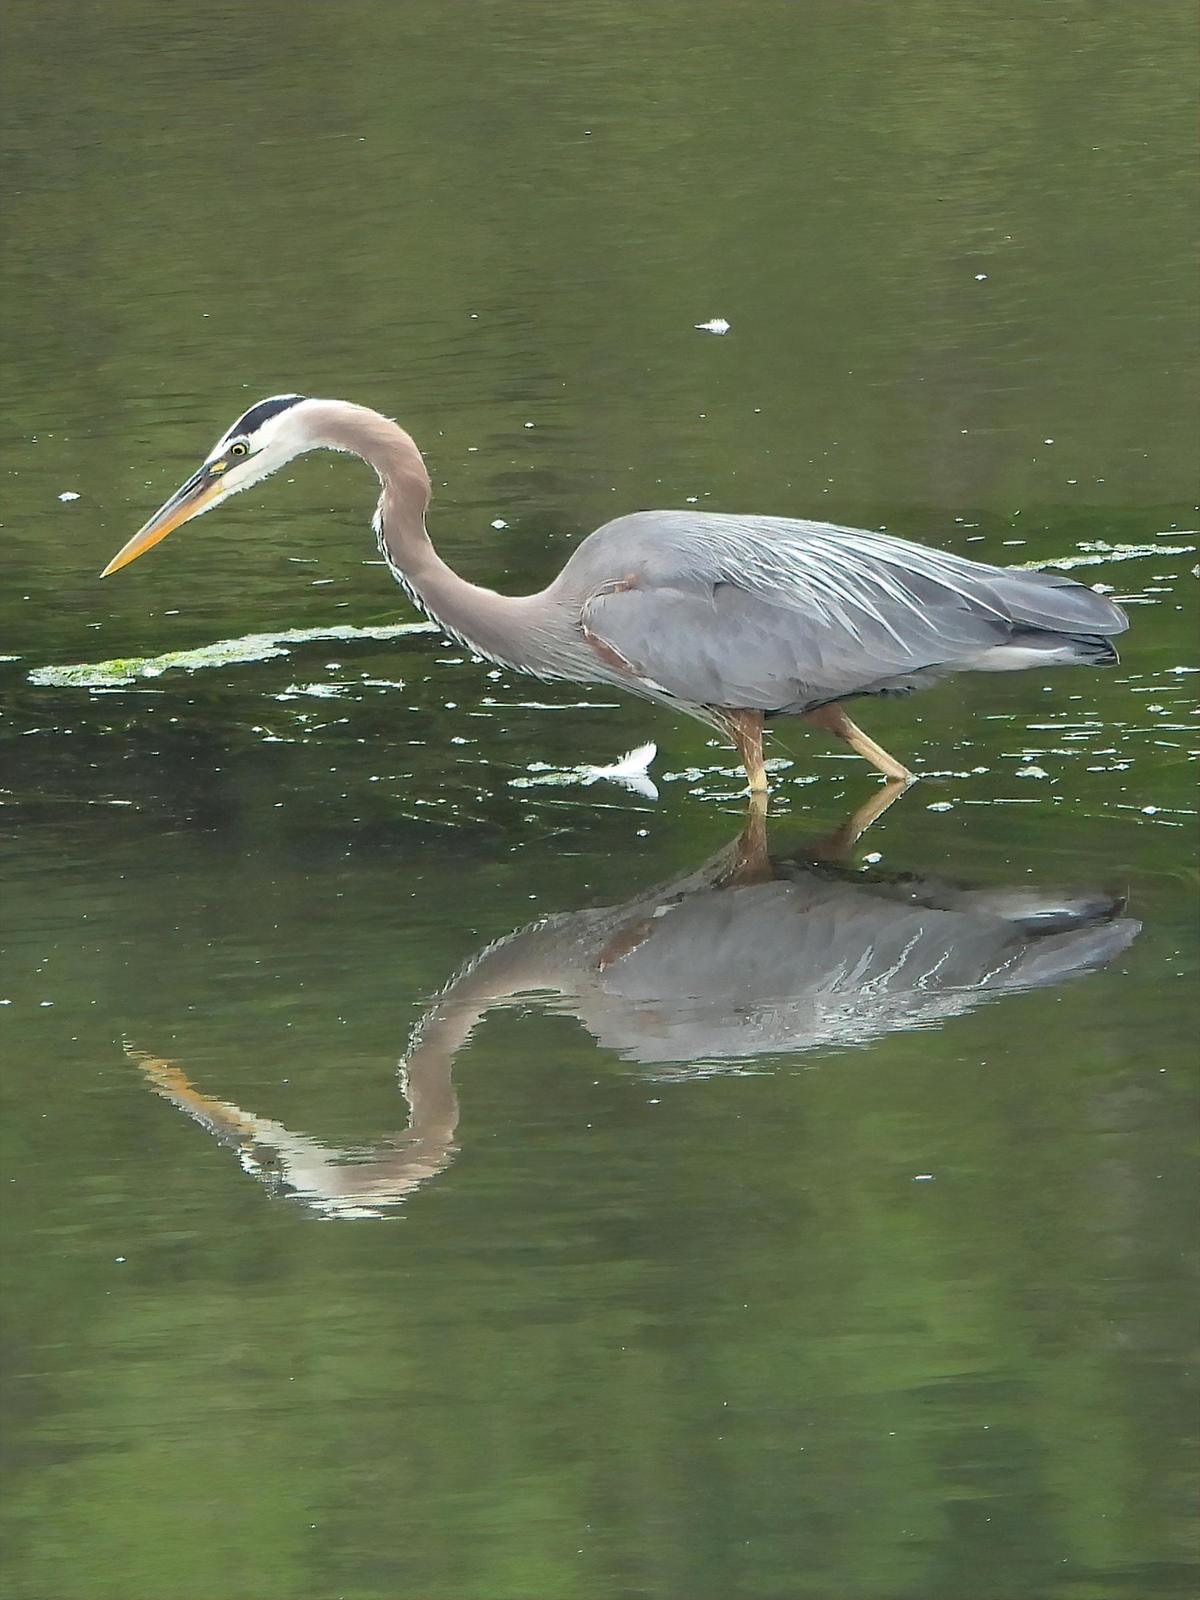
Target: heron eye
x=238 y=449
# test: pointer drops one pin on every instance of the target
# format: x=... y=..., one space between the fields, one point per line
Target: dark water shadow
x=747 y=956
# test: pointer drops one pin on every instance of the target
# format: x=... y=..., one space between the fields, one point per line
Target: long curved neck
x=493 y=624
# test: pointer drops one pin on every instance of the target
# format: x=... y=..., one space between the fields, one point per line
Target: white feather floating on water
x=632 y=770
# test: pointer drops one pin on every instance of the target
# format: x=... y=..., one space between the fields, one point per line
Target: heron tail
x=1031 y=647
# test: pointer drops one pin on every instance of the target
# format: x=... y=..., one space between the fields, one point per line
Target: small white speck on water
x=922 y=1177
x=1047 y=441
x=1147 y=811
x=499 y=522
x=981 y=277
x=45 y=1002
x=528 y=424
x=940 y=805
x=872 y=857
x=119 y=1259
x=713 y=325
x=1032 y=772
x=68 y=494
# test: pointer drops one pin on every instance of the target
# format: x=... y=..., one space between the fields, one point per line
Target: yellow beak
x=200 y=491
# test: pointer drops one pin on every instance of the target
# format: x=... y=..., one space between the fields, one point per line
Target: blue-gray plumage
x=784 y=616
x=731 y=619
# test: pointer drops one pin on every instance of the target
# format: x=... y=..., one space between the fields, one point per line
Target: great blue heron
x=743 y=958
x=732 y=619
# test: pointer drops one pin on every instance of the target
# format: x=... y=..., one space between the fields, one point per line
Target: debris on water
x=1096 y=553
x=940 y=805
x=318 y=691
x=1031 y=772
x=922 y=1177
x=499 y=522
x=713 y=325
x=68 y=494
x=250 y=647
x=632 y=770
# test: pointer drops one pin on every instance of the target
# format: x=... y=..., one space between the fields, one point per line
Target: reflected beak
x=202 y=490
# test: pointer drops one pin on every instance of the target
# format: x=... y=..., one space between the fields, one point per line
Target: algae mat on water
x=250 y=647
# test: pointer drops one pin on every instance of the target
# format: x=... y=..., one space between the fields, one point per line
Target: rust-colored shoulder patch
x=607 y=652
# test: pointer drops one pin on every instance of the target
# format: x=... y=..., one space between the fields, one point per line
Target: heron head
x=261 y=440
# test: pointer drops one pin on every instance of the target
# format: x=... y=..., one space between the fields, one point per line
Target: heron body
x=732 y=619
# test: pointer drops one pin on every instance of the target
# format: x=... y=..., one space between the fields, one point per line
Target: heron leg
x=744 y=862
x=745 y=728
x=834 y=720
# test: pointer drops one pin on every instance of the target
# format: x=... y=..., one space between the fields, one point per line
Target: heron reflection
x=748 y=956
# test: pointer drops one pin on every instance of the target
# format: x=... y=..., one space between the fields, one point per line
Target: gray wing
x=768 y=613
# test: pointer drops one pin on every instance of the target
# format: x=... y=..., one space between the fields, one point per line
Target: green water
x=818 y=1253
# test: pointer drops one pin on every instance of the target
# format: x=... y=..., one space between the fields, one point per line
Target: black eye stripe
x=257 y=415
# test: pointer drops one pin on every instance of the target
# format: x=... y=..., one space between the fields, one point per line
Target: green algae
x=123 y=670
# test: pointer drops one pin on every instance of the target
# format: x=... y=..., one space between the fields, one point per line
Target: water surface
x=426 y=1173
